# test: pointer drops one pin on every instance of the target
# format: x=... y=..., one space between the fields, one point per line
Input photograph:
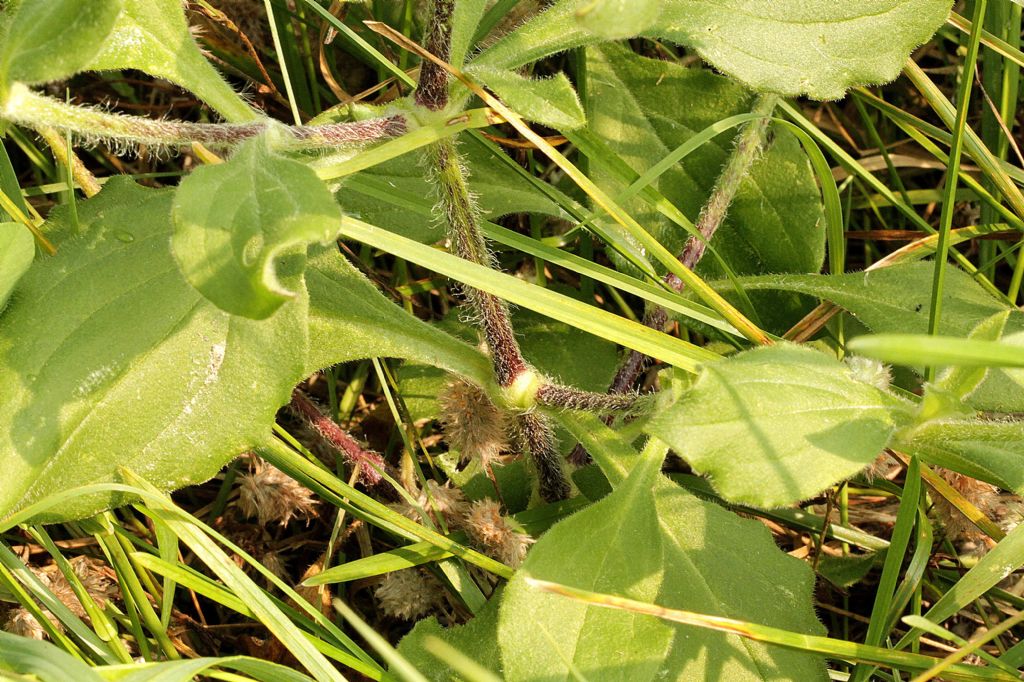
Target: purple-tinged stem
x=370 y=463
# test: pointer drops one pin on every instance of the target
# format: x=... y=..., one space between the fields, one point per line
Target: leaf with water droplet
x=241 y=226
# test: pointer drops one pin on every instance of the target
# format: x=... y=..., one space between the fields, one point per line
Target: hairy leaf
x=153 y=36
x=476 y=639
x=465 y=20
x=17 y=250
x=694 y=555
x=991 y=450
x=775 y=425
x=895 y=299
x=234 y=221
x=46 y=40
x=548 y=101
x=395 y=194
x=108 y=359
x=615 y=19
x=818 y=48
x=644 y=108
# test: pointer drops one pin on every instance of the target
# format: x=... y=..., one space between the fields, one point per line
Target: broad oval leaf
x=651 y=540
x=234 y=221
x=109 y=359
x=154 y=36
x=818 y=48
x=779 y=424
x=17 y=250
x=46 y=40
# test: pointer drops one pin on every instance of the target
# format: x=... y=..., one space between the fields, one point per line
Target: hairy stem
x=569 y=398
x=748 y=148
x=90 y=125
x=461 y=216
x=536 y=432
x=432 y=91
x=370 y=463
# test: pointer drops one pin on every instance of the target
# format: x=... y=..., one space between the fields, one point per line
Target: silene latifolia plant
x=148 y=337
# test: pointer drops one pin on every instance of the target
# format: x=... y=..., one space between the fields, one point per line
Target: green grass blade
x=834 y=648
x=894 y=556
x=915 y=350
x=588 y=318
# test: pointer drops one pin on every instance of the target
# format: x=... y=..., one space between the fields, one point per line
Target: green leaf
x=17 y=250
x=108 y=359
x=548 y=101
x=894 y=299
x=817 y=47
x=694 y=555
x=235 y=220
x=41 y=660
x=349 y=319
x=646 y=108
x=153 y=36
x=465 y=20
x=46 y=40
x=990 y=450
x=396 y=195
x=616 y=19
x=779 y=424
x=476 y=639
x=992 y=389
x=921 y=349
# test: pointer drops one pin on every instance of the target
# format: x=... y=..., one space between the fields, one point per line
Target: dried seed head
x=494 y=535
x=409 y=594
x=97 y=579
x=22 y=623
x=869 y=371
x=444 y=500
x=473 y=425
x=270 y=495
x=94 y=577
x=982 y=495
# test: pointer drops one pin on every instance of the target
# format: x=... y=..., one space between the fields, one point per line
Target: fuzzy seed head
x=95 y=579
x=495 y=535
x=982 y=495
x=271 y=496
x=473 y=425
x=444 y=501
x=409 y=594
x=870 y=371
